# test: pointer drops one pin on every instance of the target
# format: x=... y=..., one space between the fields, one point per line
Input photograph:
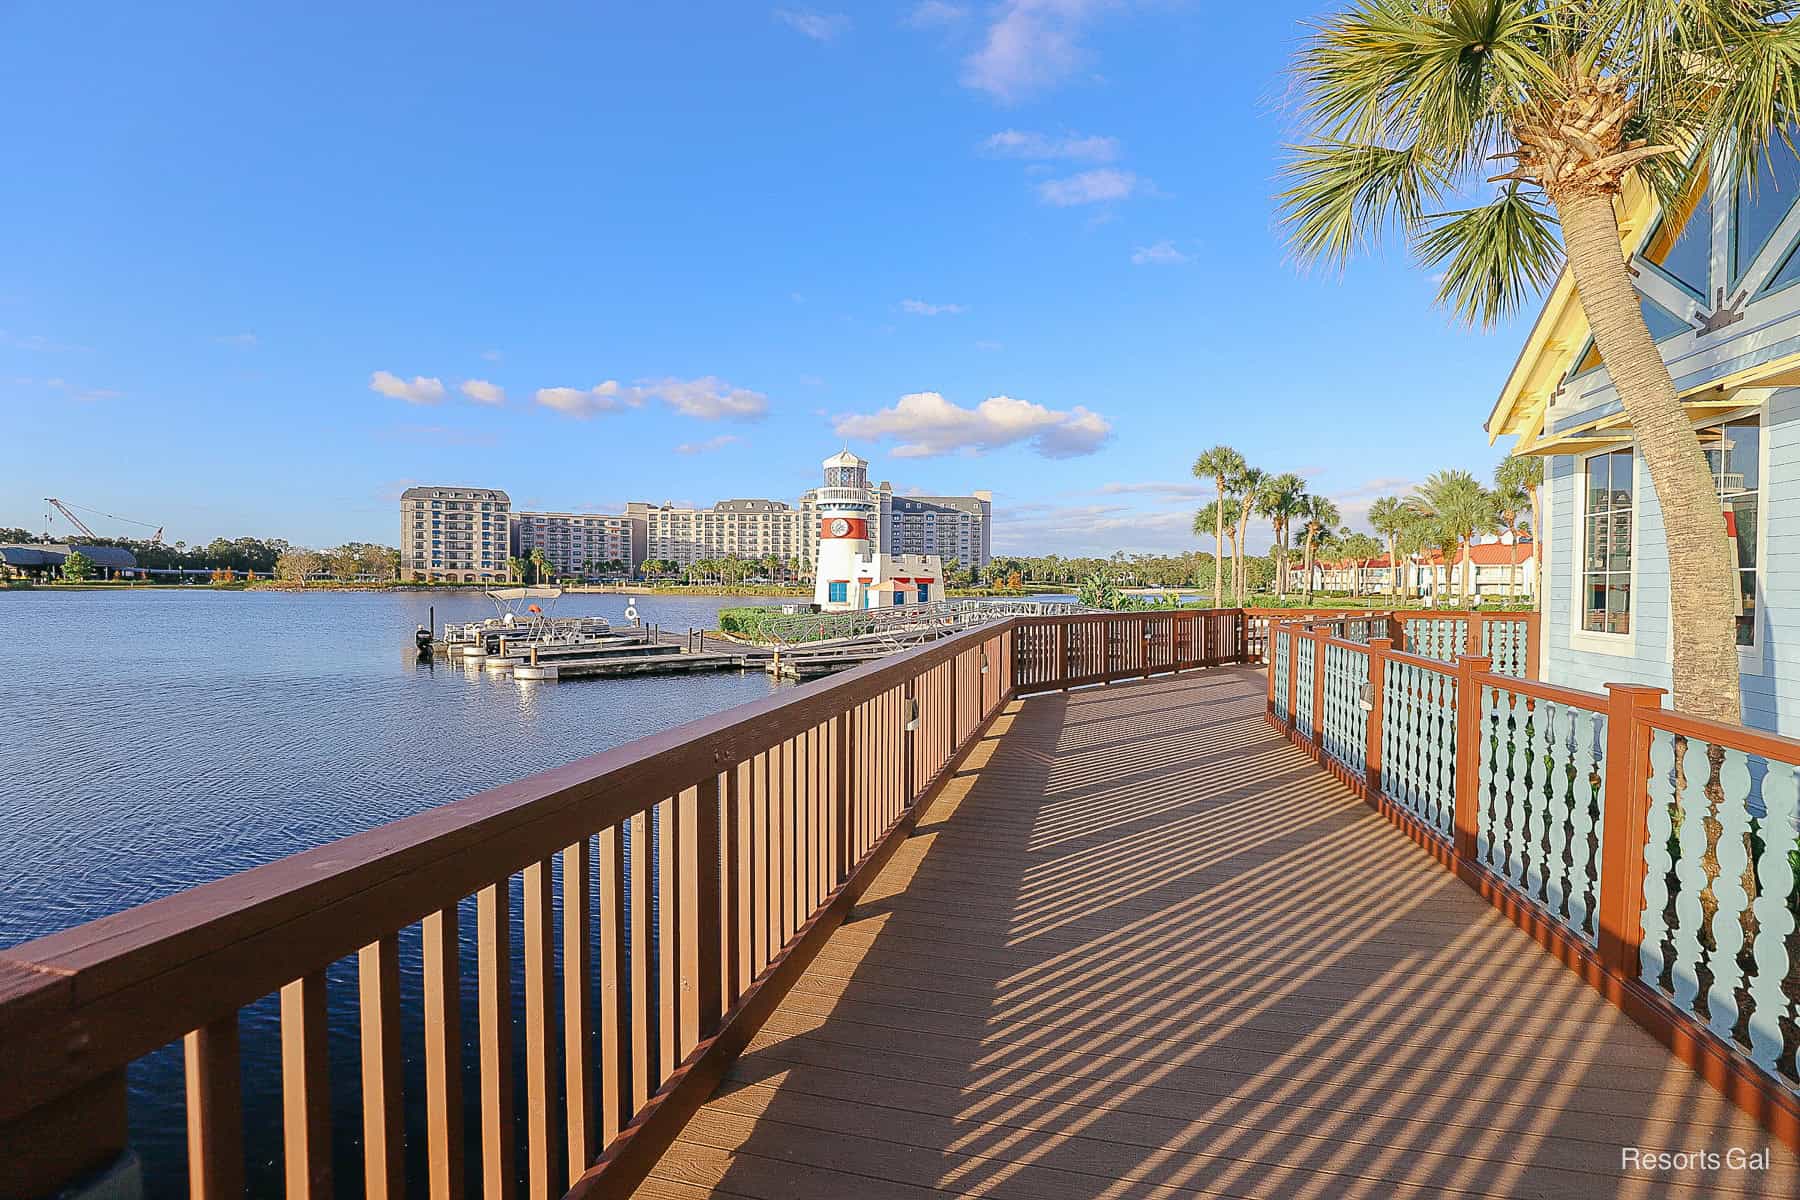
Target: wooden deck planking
x=1142 y=947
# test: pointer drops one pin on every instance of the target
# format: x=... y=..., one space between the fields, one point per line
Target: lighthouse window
x=924 y=592
x=838 y=592
x=1734 y=455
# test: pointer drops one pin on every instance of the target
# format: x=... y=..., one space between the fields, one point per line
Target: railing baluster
x=669 y=818
x=384 y=1114
x=700 y=916
x=762 y=913
x=615 y=968
x=306 y=1088
x=493 y=967
x=443 y=1056
x=542 y=1137
x=638 y=935
x=215 y=1111
x=739 y=854
x=578 y=1003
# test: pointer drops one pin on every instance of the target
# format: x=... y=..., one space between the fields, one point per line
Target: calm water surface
x=156 y=740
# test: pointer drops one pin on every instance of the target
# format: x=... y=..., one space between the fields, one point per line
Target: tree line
x=1448 y=514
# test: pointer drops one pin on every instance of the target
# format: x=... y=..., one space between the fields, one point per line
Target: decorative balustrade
x=1655 y=853
x=1418 y=739
x=636 y=915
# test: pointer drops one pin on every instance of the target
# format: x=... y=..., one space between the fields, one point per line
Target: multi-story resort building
x=950 y=527
x=581 y=544
x=454 y=534
x=730 y=528
x=1718 y=295
x=958 y=528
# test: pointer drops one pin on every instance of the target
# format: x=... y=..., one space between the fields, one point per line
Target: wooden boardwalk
x=1144 y=948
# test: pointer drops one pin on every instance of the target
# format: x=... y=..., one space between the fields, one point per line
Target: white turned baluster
x=1536 y=827
x=1555 y=720
x=1580 y=750
x=1658 y=828
x=1690 y=872
x=1774 y=919
x=1728 y=890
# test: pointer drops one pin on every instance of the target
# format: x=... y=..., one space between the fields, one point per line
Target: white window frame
x=1623 y=645
x=1750 y=661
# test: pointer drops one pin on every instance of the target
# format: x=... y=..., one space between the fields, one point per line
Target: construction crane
x=81 y=526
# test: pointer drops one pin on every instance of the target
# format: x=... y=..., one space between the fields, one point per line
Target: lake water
x=159 y=739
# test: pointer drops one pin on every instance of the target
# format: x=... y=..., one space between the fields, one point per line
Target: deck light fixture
x=912 y=715
x=984 y=662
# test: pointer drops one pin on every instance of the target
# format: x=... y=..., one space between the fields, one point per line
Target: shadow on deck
x=1142 y=947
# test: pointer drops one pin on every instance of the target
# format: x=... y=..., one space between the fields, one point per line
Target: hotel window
x=1734 y=455
x=1606 y=565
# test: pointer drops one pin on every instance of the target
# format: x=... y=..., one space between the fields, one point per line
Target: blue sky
x=261 y=267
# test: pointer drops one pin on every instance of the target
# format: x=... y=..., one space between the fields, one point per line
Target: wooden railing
x=671 y=890
x=1510 y=639
x=1654 y=853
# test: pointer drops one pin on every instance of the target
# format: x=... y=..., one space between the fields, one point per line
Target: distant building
x=951 y=527
x=580 y=544
x=45 y=560
x=455 y=534
x=730 y=528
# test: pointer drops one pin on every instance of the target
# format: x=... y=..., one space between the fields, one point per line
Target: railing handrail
x=1538 y=690
x=245 y=935
x=1730 y=737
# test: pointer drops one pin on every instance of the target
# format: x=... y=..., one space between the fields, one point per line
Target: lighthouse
x=845 y=508
x=852 y=573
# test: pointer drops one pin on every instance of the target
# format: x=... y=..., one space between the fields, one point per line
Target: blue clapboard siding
x=1771 y=684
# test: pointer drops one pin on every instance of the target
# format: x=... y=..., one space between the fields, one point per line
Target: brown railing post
x=1468 y=752
x=703 y=898
x=1472 y=641
x=1062 y=656
x=1269 y=672
x=1378 y=650
x=1623 y=825
x=1318 y=637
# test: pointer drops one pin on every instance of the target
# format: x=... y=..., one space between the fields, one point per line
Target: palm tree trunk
x=1219 y=544
x=1702 y=574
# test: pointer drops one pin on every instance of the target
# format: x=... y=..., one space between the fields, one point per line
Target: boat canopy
x=525 y=593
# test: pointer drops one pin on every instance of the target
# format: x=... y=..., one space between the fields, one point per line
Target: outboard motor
x=422 y=639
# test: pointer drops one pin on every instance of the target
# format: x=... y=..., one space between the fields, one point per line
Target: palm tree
x=1317 y=517
x=1280 y=499
x=1216 y=518
x=1409 y=100
x=1245 y=486
x=516 y=567
x=1388 y=517
x=1461 y=509
x=1221 y=464
x=1360 y=547
x=1516 y=483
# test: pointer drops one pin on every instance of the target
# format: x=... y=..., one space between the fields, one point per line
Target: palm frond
x=1345 y=195
x=1760 y=101
x=1494 y=258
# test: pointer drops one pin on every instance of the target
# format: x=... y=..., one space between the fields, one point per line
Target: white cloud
x=1031 y=45
x=1168 y=491
x=419 y=390
x=1089 y=187
x=1097 y=529
x=709 y=398
x=1021 y=143
x=483 y=392
x=575 y=402
x=709 y=445
x=920 y=308
x=936 y=14
x=820 y=27
x=1159 y=255
x=926 y=424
